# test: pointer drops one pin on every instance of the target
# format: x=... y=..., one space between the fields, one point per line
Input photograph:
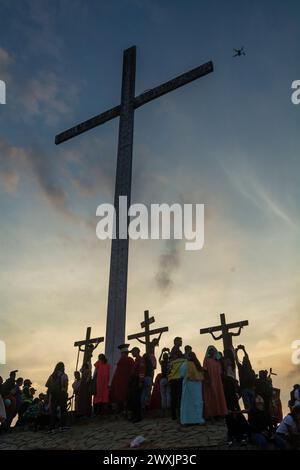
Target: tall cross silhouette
x=225 y=329
x=116 y=308
x=87 y=346
x=147 y=333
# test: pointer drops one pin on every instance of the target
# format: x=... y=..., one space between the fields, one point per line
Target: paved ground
x=109 y=433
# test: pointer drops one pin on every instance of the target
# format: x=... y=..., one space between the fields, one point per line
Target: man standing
x=57 y=385
x=176 y=360
x=120 y=382
x=247 y=378
x=136 y=386
x=263 y=387
x=9 y=383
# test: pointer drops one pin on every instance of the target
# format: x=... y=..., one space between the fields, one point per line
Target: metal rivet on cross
x=116 y=309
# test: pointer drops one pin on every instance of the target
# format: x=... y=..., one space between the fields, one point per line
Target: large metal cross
x=116 y=309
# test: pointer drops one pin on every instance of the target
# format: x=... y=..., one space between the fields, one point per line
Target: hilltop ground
x=111 y=433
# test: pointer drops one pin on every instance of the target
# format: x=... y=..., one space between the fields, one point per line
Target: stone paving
x=109 y=433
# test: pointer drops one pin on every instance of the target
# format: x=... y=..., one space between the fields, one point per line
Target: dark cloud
x=44 y=170
x=168 y=263
x=14 y=161
x=89 y=170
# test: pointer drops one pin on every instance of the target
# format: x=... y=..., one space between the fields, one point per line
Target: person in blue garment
x=191 y=409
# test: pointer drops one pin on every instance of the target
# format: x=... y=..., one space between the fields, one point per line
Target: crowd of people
x=224 y=387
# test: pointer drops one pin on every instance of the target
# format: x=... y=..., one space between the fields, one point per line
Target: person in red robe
x=102 y=374
x=120 y=382
x=155 y=402
x=214 y=396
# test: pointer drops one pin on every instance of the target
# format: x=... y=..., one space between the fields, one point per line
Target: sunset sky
x=229 y=140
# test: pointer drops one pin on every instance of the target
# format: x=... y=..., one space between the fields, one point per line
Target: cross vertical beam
x=87 y=340
x=116 y=308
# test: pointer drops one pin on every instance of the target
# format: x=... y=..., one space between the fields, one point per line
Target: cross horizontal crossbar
x=138 y=101
x=151 y=332
x=173 y=84
x=90 y=341
x=220 y=327
x=87 y=125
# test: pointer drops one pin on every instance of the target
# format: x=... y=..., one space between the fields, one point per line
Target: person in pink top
x=214 y=397
x=102 y=374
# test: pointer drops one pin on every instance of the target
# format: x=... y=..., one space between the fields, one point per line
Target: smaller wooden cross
x=87 y=346
x=225 y=328
x=150 y=345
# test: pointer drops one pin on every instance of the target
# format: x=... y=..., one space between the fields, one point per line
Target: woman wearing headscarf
x=191 y=408
x=214 y=397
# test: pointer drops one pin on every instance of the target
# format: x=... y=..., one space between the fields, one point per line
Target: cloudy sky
x=229 y=140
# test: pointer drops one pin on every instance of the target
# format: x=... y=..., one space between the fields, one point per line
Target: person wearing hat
x=120 y=382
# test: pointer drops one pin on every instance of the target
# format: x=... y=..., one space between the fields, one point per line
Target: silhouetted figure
x=214 y=397
x=57 y=385
x=287 y=434
x=174 y=377
x=85 y=392
x=9 y=383
x=102 y=375
x=76 y=387
x=136 y=386
x=165 y=391
x=263 y=387
x=191 y=409
x=231 y=385
x=148 y=380
x=276 y=408
x=260 y=424
x=187 y=350
x=26 y=400
x=247 y=378
x=120 y=383
x=295 y=395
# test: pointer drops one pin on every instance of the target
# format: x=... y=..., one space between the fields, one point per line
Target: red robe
x=155 y=403
x=214 y=397
x=120 y=381
x=103 y=371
